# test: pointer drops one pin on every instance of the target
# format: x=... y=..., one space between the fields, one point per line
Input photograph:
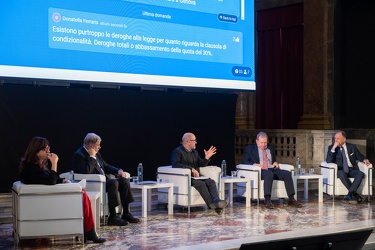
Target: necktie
x=344 y=160
x=265 y=161
x=98 y=167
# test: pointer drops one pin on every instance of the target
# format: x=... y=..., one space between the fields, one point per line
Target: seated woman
x=34 y=170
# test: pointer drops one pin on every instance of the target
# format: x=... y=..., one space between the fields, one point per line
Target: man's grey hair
x=91 y=138
x=261 y=134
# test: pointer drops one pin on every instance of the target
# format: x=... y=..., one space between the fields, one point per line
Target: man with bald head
x=347 y=156
x=186 y=156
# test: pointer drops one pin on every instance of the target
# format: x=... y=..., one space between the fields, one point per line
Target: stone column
x=318 y=65
x=245 y=110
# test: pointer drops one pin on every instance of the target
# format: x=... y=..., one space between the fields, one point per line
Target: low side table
x=230 y=180
x=146 y=187
x=306 y=178
x=95 y=207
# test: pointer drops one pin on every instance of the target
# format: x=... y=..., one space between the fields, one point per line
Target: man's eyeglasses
x=194 y=140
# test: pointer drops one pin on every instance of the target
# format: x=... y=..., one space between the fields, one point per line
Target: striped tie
x=344 y=160
x=99 y=168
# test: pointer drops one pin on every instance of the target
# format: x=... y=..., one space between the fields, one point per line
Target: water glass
x=135 y=180
x=158 y=180
x=234 y=173
x=311 y=171
x=71 y=176
x=302 y=171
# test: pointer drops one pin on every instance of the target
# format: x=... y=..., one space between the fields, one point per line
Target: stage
x=204 y=229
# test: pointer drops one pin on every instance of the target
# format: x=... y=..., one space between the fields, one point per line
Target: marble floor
x=204 y=229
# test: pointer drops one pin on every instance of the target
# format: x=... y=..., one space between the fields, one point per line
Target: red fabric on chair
x=88 y=218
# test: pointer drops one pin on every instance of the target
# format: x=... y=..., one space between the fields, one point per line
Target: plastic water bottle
x=298 y=165
x=71 y=176
x=224 y=168
x=140 y=172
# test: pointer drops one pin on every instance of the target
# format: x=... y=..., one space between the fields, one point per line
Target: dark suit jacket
x=33 y=174
x=251 y=154
x=181 y=158
x=354 y=155
x=84 y=164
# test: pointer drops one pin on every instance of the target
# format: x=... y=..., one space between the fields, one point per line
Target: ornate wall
x=318 y=67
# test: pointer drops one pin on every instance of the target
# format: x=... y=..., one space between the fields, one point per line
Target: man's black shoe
x=294 y=203
x=349 y=199
x=358 y=197
x=116 y=221
x=219 y=203
x=213 y=205
x=129 y=217
x=222 y=204
x=219 y=211
x=269 y=204
x=91 y=235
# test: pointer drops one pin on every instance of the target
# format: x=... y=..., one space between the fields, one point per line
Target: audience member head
x=37 y=152
x=189 y=141
x=262 y=140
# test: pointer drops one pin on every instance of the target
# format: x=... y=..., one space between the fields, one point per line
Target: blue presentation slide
x=199 y=43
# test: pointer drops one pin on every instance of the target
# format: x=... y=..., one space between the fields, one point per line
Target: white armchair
x=332 y=185
x=94 y=183
x=184 y=194
x=257 y=185
x=47 y=210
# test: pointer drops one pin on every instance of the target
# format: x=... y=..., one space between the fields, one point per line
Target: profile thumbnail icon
x=56 y=17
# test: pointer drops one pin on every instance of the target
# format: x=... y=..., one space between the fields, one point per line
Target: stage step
x=370 y=243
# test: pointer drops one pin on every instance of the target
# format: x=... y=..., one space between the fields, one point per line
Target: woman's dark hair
x=35 y=145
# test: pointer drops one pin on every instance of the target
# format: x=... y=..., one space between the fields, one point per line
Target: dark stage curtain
x=279 y=83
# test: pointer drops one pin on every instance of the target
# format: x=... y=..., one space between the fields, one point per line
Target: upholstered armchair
x=184 y=194
x=257 y=185
x=332 y=185
x=47 y=210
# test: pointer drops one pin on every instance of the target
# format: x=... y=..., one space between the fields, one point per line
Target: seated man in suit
x=87 y=160
x=346 y=156
x=185 y=156
x=263 y=154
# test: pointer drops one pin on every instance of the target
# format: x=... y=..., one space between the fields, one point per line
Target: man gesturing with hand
x=186 y=156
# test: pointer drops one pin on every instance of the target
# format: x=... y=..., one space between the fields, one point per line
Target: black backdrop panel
x=135 y=126
x=354 y=64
